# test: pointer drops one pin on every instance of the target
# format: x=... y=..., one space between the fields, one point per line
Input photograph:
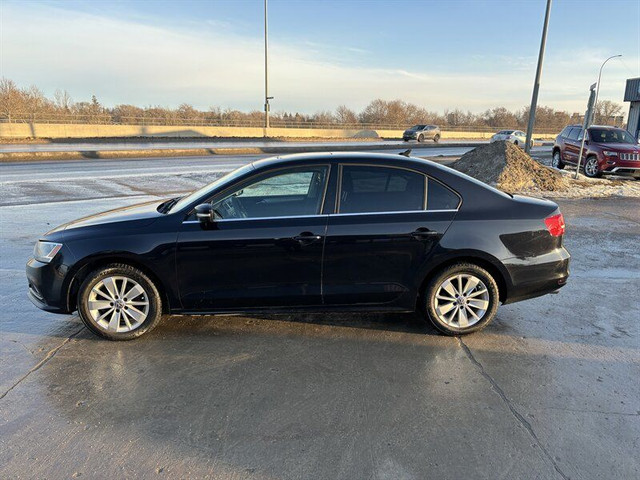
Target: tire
x=482 y=300
x=590 y=168
x=421 y=138
x=115 y=316
x=556 y=160
x=515 y=142
x=436 y=139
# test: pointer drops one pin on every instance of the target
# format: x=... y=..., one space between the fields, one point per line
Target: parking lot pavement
x=551 y=389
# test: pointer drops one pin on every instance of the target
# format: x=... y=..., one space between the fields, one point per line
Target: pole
x=266 y=71
x=585 y=125
x=595 y=112
x=536 y=84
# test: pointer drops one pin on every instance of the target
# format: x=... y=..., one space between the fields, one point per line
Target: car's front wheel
x=591 y=169
x=421 y=138
x=119 y=302
x=461 y=299
x=556 y=160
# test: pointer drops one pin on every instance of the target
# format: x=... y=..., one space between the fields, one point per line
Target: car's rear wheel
x=421 y=138
x=591 y=169
x=556 y=160
x=436 y=138
x=119 y=302
x=461 y=299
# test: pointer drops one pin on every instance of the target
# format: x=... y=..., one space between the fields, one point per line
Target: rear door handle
x=424 y=233
x=306 y=238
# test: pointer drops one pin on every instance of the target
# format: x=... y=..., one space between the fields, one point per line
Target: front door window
x=286 y=193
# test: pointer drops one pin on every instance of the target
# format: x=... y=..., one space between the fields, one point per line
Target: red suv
x=607 y=150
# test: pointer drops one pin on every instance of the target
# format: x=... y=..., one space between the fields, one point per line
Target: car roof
x=365 y=157
x=606 y=127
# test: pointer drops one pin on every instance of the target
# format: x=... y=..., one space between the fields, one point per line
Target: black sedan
x=317 y=232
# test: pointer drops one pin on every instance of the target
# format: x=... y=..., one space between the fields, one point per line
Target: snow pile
x=509 y=168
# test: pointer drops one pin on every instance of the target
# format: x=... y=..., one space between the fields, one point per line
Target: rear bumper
x=537 y=276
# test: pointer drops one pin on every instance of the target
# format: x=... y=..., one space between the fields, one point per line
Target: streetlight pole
x=266 y=71
x=536 y=84
x=595 y=108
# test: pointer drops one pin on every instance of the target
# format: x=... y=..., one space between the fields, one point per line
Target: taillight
x=555 y=225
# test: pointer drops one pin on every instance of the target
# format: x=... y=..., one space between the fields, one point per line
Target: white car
x=517 y=137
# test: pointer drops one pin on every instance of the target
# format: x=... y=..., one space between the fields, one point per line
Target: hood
x=620 y=147
x=139 y=215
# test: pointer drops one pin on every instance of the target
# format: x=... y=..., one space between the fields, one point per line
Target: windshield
x=505 y=132
x=606 y=135
x=207 y=189
x=417 y=127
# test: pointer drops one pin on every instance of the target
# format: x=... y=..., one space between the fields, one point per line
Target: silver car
x=517 y=137
x=422 y=133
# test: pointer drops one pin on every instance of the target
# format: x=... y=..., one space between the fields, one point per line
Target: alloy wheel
x=461 y=300
x=591 y=167
x=118 y=304
x=555 y=162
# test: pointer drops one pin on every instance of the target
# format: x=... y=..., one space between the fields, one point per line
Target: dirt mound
x=509 y=168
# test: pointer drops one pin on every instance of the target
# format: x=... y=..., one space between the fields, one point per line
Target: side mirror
x=205 y=213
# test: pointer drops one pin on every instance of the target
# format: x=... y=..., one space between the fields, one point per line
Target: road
x=89 y=179
x=550 y=390
x=169 y=145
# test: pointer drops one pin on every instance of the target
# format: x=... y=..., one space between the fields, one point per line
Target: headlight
x=45 y=251
x=609 y=153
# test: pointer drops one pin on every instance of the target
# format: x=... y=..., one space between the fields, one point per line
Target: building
x=632 y=94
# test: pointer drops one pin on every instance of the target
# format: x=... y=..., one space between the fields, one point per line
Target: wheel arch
x=94 y=263
x=490 y=264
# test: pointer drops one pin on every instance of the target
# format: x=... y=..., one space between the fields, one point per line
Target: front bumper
x=47 y=285
x=621 y=167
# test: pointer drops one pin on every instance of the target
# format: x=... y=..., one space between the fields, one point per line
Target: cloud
x=126 y=61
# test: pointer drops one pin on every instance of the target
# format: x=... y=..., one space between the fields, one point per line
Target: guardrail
x=204 y=121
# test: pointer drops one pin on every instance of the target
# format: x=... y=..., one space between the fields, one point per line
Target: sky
x=440 y=55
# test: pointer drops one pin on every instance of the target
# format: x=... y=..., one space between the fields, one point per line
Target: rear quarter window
x=440 y=197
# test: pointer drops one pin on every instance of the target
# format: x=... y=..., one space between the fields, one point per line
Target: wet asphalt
x=551 y=389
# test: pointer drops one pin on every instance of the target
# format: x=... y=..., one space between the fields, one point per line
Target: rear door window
x=573 y=133
x=369 y=189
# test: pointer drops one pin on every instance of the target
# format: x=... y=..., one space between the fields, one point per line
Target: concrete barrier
x=53 y=130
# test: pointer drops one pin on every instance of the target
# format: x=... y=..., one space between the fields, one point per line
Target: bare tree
x=30 y=104
x=345 y=115
x=606 y=112
x=63 y=100
x=10 y=98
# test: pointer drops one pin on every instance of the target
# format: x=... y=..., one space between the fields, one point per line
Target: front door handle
x=305 y=238
x=423 y=233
